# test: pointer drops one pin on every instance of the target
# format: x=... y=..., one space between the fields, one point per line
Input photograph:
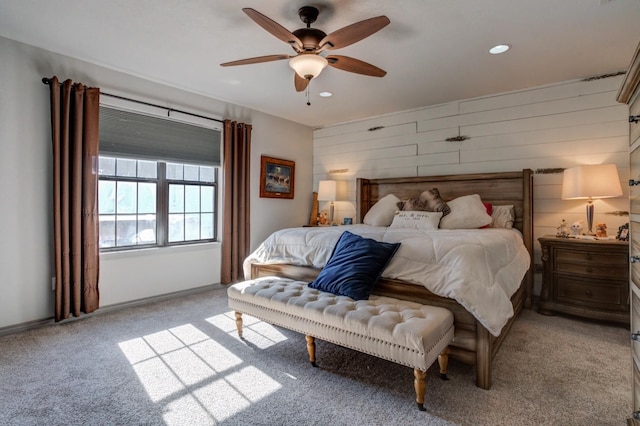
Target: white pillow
x=382 y=212
x=467 y=212
x=425 y=221
x=503 y=217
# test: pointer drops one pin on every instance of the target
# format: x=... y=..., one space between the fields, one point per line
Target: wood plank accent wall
x=549 y=127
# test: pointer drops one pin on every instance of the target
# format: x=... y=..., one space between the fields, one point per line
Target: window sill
x=154 y=251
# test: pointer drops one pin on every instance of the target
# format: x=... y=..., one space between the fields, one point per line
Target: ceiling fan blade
x=299 y=82
x=256 y=60
x=274 y=28
x=357 y=66
x=354 y=32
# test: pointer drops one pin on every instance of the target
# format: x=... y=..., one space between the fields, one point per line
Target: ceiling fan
x=309 y=44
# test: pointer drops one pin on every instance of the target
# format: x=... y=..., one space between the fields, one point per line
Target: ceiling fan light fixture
x=308 y=66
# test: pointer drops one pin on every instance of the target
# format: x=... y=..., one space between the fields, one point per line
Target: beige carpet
x=179 y=362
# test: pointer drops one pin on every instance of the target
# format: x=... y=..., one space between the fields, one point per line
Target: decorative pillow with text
x=425 y=221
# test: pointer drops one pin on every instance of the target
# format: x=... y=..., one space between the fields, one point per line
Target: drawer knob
x=588 y=256
x=589 y=269
x=588 y=293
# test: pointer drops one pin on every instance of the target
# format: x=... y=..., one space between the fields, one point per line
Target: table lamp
x=589 y=182
x=327 y=192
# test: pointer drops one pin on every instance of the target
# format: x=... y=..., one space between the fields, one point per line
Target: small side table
x=588 y=278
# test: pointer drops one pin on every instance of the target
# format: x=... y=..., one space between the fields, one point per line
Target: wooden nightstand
x=589 y=278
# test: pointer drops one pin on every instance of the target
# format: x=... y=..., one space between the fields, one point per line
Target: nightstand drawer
x=613 y=271
x=584 y=257
x=612 y=295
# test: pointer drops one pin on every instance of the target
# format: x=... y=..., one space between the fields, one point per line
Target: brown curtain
x=74 y=130
x=236 y=170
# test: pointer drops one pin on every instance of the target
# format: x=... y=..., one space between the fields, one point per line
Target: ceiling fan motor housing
x=310 y=38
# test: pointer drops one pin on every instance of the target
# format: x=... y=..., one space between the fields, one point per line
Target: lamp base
x=331 y=214
x=590 y=218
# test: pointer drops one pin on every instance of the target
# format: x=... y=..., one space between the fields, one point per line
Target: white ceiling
x=434 y=51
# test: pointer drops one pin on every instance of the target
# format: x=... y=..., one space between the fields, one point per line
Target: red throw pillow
x=489 y=208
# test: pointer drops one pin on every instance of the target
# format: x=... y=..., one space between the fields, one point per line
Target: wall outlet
x=53 y=283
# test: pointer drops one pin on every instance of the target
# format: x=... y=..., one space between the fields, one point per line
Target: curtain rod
x=47 y=81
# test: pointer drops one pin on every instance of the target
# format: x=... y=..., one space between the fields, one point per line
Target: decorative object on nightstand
x=587 y=278
x=623 y=232
x=313 y=219
x=327 y=192
x=576 y=228
x=601 y=230
x=589 y=182
x=322 y=219
x=562 y=230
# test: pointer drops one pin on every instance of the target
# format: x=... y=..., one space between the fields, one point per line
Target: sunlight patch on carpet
x=195 y=377
x=255 y=331
x=236 y=392
x=185 y=410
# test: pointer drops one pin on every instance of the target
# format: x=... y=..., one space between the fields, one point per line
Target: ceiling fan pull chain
x=308 y=101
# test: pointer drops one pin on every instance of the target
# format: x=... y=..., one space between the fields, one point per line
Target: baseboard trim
x=161 y=297
x=25 y=326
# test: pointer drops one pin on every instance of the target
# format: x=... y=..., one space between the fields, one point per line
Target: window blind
x=130 y=134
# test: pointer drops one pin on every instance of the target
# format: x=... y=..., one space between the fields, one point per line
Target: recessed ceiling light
x=500 y=48
x=325 y=94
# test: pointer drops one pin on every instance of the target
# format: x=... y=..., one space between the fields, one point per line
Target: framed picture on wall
x=276 y=177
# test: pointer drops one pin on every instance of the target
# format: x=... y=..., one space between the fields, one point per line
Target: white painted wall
x=556 y=126
x=25 y=194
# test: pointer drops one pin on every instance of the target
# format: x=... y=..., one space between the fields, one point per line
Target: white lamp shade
x=308 y=65
x=327 y=190
x=591 y=181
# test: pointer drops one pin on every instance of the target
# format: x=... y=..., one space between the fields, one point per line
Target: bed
x=475 y=343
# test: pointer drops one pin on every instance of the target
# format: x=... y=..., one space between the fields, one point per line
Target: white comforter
x=480 y=268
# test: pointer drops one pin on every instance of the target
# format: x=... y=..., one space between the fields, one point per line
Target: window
x=157 y=180
x=127 y=202
x=155 y=203
x=191 y=202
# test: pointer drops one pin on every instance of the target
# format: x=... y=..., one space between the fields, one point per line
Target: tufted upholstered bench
x=404 y=332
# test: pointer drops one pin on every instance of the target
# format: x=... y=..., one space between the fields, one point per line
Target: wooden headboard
x=503 y=188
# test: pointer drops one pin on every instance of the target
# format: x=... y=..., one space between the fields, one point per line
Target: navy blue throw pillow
x=355 y=266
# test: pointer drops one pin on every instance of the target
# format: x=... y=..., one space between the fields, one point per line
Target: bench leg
x=420 y=383
x=443 y=362
x=311 y=348
x=239 y=323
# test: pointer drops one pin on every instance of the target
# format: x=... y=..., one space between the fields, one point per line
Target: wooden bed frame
x=473 y=344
